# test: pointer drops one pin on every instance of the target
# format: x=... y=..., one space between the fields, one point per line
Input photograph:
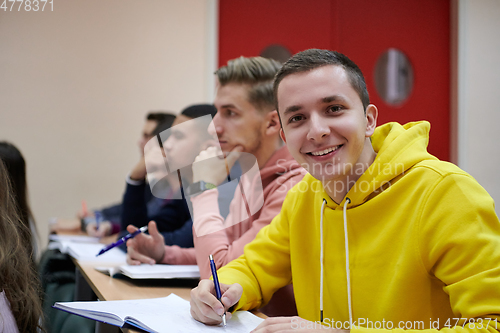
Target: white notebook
x=167 y=314
x=146 y=271
x=87 y=251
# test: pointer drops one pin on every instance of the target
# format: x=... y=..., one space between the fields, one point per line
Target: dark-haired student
x=111 y=215
x=20 y=303
x=172 y=218
x=379 y=232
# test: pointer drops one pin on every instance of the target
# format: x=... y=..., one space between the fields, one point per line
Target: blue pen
x=217 y=286
x=98 y=219
x=122 y=240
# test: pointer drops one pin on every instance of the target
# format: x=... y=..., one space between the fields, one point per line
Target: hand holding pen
x=206 y=308
x=122 y=240
x=217 y=286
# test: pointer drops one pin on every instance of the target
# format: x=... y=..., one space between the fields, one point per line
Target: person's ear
x=282 y=135
x=371 y=120
x=272 y=122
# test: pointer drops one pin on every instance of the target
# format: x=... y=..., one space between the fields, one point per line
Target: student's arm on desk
x=241 y=277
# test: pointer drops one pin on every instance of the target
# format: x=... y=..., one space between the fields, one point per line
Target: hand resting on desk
x=206 y=308
x=148 y=249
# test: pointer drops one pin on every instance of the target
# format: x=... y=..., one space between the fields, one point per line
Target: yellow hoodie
x=423 y=243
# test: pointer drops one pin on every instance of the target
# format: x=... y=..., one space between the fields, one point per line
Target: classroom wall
x=76 y=83
x=478 y=96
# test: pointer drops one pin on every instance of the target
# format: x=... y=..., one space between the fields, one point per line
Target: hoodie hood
x=398 y=148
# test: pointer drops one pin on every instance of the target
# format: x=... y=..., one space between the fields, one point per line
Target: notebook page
x=88 y=251
x=165 y=314
x=172 y=314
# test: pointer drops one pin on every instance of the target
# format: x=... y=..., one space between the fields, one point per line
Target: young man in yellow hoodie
x=379 y=235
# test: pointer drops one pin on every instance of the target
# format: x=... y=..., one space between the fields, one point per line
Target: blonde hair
x=257 y=73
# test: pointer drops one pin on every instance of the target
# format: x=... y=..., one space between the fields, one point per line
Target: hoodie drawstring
x=321 y=262
x=348 y=272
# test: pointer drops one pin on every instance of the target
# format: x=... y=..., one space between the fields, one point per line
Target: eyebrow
x=228 y=106
x=334 y=98
x=292 y=109
x=324 y=100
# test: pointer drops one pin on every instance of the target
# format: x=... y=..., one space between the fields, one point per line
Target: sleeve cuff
x=133 y=182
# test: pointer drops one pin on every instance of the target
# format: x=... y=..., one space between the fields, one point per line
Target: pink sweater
x=278 y=175
x=7 y=320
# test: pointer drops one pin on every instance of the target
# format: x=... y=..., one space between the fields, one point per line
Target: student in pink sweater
x=246 y=121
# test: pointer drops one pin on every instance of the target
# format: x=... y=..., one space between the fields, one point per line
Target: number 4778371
x=26 y=5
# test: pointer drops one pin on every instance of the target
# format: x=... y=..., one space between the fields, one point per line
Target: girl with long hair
x=16 y=170
x=20 y=302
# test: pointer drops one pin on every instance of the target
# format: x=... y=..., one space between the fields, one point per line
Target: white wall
x=76 y=83
x=479 y=92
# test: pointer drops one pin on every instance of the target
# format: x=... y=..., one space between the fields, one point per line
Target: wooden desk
x=112 y=289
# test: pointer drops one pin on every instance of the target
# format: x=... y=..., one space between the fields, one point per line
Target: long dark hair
x=18 y=277
x=16 y=169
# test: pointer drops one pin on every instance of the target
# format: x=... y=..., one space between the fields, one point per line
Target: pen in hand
x=122 y=240
x=98 y=219
x=217 y=286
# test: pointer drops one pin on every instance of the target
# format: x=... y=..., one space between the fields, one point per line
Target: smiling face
x=238 y=122
x=324 y=124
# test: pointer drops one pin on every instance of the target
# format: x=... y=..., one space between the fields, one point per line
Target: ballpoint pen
x=98 y=219
x=122 y=240
x=217 y=286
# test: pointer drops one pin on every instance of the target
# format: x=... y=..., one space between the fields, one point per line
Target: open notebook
x=166 y=314
x=86 y=251
x=146 y=271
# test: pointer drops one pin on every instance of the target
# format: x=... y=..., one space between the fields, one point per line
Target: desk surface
x=111 y=289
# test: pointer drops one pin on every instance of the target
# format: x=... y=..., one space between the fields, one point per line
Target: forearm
x=175 y=255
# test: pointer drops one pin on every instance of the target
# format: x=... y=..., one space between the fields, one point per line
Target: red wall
x=362 y=29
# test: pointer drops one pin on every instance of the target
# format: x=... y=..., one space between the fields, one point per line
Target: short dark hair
x=159 y=116
x=256 y=72
x=199 y=110
x=166 y=123
x=314 y=58
x=192 y=111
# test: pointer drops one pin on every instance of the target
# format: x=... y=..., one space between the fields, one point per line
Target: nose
x=167 y=145
x=318 y=128
x=217 y=127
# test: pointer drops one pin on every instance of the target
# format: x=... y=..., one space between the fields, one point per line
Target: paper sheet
x=167 y=314
x=87 y=252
